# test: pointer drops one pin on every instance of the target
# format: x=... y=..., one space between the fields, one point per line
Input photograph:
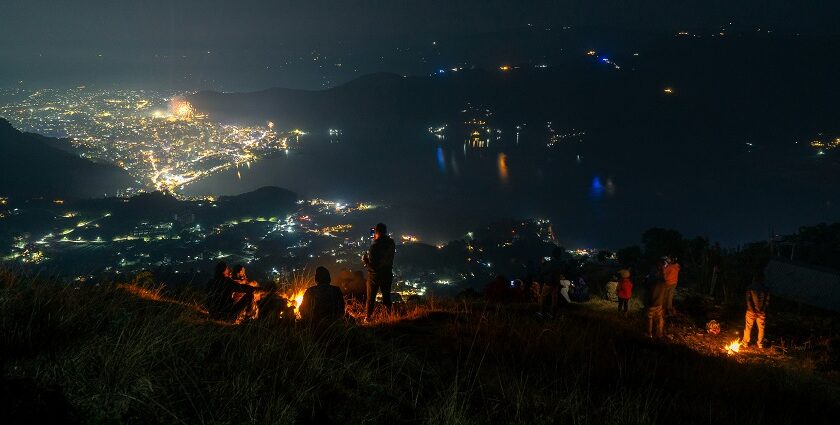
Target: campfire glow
x=733 y=347
x=298 y=299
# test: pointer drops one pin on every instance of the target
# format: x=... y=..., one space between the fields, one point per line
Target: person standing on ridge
x=379 y=262
x=656 y=301
x=672 y=275
x=758 y=297
x=624 y=290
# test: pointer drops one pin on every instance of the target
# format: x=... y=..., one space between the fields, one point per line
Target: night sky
x=250 y=44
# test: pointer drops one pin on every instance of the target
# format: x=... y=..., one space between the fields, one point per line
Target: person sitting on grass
x=226 y=299
x=322 y=303
x=240 y=277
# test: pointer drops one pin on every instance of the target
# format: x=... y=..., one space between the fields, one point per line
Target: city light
x=181 y=108
x=161 y=140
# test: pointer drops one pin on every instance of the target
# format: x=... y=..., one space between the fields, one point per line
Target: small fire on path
x=733 y=347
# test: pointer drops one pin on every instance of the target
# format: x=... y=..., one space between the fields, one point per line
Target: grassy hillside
x=122 y=354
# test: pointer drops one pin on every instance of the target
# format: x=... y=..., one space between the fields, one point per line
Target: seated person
x=226 y=299
x=238 y=275
x=241 y=278
x=322 y=302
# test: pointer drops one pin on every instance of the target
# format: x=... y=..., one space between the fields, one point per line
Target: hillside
x=33 y=166
x=130 y=354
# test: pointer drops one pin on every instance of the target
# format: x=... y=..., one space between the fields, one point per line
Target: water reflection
x=441 y=160
x=596 y=189
x=455 y=169
x=610 y=187
x=501 y=162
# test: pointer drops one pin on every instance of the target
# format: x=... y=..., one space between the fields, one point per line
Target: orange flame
x=733 y=347
x=298 y=301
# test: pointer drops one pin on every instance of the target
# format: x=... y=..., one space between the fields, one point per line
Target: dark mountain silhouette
x=265 y=201
x=727 y=89
x=161 y=207
x=32 y=165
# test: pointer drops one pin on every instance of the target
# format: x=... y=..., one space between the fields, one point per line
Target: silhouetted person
x=239 y=276
x=552 y=278
x=758 y=298
x=671 y=276
x=498 y=289
x=221 y=291
x=656 y=300
x=379 y=262
x=531 y=272
x=323 y=302
x=352 y=284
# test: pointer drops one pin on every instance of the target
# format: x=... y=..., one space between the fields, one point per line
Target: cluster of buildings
x=824 y=144
x=476 y=128
x=157 y=137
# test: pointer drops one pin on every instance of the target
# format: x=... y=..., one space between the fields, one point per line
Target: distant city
x=158 y=138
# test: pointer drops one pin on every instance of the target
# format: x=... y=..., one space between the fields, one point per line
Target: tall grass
x=131 y=355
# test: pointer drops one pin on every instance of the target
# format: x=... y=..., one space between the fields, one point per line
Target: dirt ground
x=790 y=342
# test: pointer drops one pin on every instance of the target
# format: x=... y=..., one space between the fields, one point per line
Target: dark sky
x=264 y=34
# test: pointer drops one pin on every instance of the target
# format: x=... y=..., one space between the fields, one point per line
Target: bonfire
x=293 y=289
x=733 y=347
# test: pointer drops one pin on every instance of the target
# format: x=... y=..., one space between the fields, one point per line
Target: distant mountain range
x=32 y=165
x=733 y=88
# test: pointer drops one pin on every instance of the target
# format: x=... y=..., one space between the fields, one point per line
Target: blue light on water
x=441 y=71
x=596 y=190
x=441 y=160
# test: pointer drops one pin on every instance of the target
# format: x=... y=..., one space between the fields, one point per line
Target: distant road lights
x=668 y=90
x=591 y=53
x=504 y=68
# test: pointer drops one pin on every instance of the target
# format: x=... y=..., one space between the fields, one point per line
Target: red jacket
x=624 y=288
x=672 y=274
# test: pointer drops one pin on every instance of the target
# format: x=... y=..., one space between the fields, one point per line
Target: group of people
x=231 y=296
x=553 y=283
x=662 y=283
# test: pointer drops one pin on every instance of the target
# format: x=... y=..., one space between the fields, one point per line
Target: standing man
x=379 y=262
x=672 y=276
x=656 y=300
x=758 y=297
